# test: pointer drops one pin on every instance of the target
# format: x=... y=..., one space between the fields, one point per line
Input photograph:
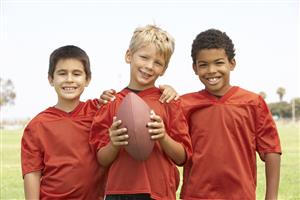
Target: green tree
x=281 y=93
x=7 y=92
x=297 y=107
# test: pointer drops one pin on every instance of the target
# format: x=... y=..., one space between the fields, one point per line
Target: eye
x=77 y=73
x=143 y=57
x=220 y=63
x=202 y=65
x=61 y=73
x=159 y=64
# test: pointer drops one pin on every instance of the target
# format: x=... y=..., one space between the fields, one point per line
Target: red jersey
x=158 y=175
x=226 y=133
x=57 y=144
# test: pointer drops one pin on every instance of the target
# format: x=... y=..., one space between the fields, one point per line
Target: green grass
x=290 y=164
x=11 y=181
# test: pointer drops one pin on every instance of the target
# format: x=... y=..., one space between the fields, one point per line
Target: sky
x=265 y=34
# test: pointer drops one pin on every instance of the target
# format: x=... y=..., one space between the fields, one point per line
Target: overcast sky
x=265 y=34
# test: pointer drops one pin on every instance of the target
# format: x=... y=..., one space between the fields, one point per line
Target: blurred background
x=265 y=34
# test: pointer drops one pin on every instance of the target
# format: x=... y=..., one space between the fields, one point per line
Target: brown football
x=135 y=114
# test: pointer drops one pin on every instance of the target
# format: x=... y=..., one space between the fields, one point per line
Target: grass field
x=12 y=183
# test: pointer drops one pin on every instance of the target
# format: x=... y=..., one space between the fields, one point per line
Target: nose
x=211 y=69
x=149 y=65
x=69 y=78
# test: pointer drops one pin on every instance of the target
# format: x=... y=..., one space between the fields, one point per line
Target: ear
x=195 y=68
x=50 y=79
x=128 y=55
x=232 y=64
x=87 y=82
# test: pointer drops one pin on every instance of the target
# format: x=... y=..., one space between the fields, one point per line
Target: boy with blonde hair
x=157 y=177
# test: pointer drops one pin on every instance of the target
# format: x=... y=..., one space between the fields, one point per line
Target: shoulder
x=93 y=103
x=194 y=99
x=193 y=95
x=88 y=108
x=36 y=122
x=244 y=96
x=41 y=117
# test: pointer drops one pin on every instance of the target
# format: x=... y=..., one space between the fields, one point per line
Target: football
x=135 y=114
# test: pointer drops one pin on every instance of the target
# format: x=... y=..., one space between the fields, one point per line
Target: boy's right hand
x=107 y=95
x=118 y=136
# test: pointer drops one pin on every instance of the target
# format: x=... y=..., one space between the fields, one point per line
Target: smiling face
x=213 y=69
x=146 y=65
x=69 y=80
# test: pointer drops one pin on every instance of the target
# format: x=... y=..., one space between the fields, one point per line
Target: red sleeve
x=267 y=139
x=99 y=136
x=178 y=128
x=31 y=152
x=95 y=103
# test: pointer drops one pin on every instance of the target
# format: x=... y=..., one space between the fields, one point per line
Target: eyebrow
x=60 y=70
x=218 y=59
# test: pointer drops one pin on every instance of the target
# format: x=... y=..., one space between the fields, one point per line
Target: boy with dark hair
x=57 y=161
x=228 y=125
x=157 y=177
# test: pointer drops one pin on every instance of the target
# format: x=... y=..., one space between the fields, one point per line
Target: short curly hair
x=212 y=39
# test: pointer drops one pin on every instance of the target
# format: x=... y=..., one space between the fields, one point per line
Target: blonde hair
x=151 y=34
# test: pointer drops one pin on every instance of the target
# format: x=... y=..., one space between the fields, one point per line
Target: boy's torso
x=157 y=175
x=224 y=138
x=68 y=164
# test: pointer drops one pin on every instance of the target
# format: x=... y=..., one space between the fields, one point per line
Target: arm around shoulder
x=32 y=182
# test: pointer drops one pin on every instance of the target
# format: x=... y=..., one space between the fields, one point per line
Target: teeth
x=145 y=74
x=69 y=88
x=213 y=80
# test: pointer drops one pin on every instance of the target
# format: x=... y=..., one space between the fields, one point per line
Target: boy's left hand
x=168 y=94
x=156 y=127
x=107 y=95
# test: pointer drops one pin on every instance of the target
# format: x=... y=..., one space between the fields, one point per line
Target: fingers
x=156 y=126
x=118 y=135
x=168 y=94
x=116 y=123
x=107 y=95
x=154 y=117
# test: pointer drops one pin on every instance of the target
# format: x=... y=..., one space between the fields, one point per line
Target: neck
x=139 y=87
x=67 y=106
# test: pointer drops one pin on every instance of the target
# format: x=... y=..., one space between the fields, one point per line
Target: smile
x=213 y=80
x=69 y=89
x=145 y=74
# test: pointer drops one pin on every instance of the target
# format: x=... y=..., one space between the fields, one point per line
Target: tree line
x=283 y=109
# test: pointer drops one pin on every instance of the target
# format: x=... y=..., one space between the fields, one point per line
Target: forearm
x=173 y=149
x=107 y=154
x=272 y=170
x=32 y=185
